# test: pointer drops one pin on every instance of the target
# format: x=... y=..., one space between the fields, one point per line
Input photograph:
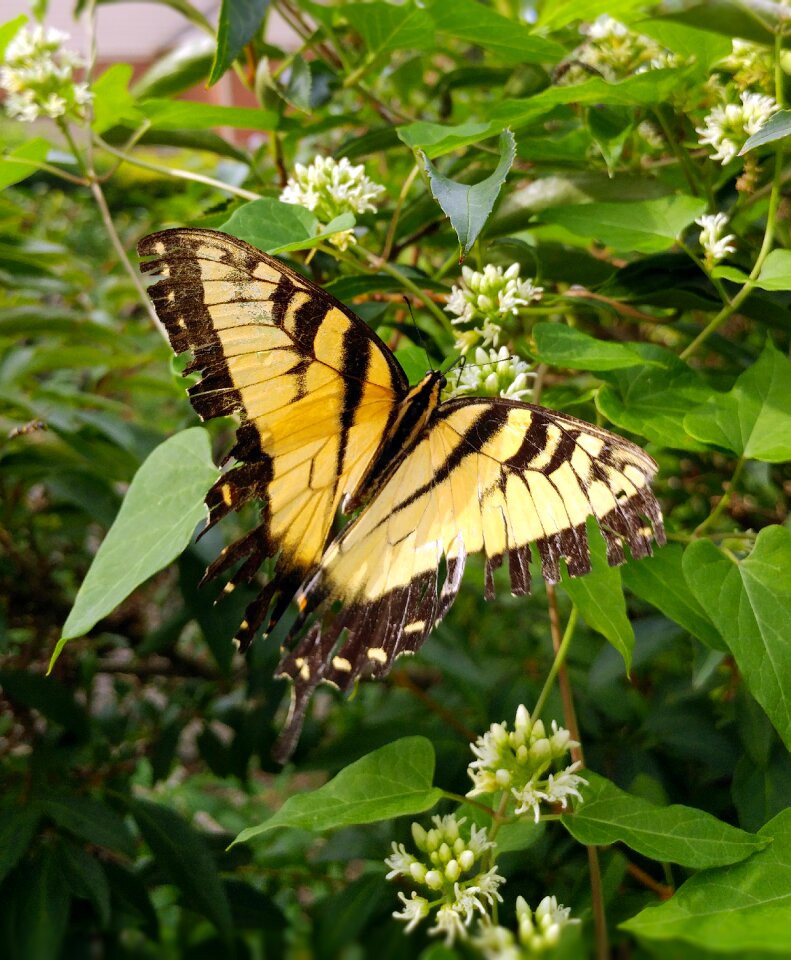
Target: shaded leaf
x=660 y=580
x=86 y=879
x=48 y=696
x=776 y=127
x=89 y=819
x=184 y=857
x=750 y=604
x=156 y=521
x=675 y=834
x=653 y=400
x=731 y=909
x=239 y=22
x=644 y=226
x=390 y=782
x=469 y=206
x=17 y=829
x=599 y=597
x=562 y=346
x=41 y=908
x=754 y=418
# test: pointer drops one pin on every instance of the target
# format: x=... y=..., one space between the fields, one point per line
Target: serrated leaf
x=468 y=206
x=643 y=226
x=750 y=604
x=238 y=23
x=277 y=227
x=393 y=781
x=13 y=168
x=754 y=418
x=192 y=115
x=653 y=400
x=89 y=819
x=509 y=40
x=157 y=519
x=674 y=834
x=599 y=597
x=776 y=271
x=567 y=347
x=660 y=580
x=185 y=858
x=731 y=909
x=776 y=127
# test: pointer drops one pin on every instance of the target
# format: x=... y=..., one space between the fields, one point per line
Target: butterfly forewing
x=314 y=389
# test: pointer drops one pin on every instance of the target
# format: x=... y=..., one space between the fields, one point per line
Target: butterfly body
x=329 y=423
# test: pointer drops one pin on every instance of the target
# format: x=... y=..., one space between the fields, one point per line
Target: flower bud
x=466 y=859
x=433 y=879
x=452 y=870
x=418 y=871
x=419 y=835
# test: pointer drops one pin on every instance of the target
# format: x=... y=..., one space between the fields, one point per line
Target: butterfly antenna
x=419 y=332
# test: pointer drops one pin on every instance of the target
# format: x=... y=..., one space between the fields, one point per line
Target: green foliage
x=128 y=772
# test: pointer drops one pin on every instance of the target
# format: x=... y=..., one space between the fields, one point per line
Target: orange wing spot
x=302 y=602
x=227 y=498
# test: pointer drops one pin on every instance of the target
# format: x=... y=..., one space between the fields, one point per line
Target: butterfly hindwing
x=487 y=476
x=313 y=386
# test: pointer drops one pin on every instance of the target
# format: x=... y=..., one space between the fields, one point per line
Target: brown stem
x=401 y=679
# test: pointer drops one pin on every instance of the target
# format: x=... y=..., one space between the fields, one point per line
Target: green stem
x=716 y=282
x=388 y=245
x=47 y=168
x=459 y=798
x=722 y=503
x=178 y=174
x=558 y=662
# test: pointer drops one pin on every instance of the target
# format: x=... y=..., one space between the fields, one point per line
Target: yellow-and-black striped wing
x=487 y=475
x=314 y=387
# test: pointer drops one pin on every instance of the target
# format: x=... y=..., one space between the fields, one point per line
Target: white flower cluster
x=615 y=52
x=537 y=932
x=38 y=75
x=494 y=372
x=328 y=188
x=715 y=246
x=486 y=298
x=750 y=66
x=521 y=761
x=448 y=874
x=729 y=125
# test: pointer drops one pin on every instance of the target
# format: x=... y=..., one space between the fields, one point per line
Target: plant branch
x=722 y=503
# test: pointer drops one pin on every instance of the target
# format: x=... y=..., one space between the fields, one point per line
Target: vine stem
x=570 y=721
x=722 y=503
x=557 y=664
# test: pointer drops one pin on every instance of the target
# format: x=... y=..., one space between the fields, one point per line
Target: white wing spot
x=342 y=664
x=378 y=654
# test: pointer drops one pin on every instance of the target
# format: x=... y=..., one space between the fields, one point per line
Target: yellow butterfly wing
x=487 y=475
x=315 y=390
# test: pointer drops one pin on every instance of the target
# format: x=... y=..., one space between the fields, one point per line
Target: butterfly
x=329 y=423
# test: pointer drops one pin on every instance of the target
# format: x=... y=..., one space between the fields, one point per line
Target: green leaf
x=660 y=580
x=89 y=819
x=599 y=597
x=13 y=168
x=469 y=206
x=112 y=101
x=754 y=418
x=675 y=834
x=156 y=522
x=386 y=27
x=435 y=139
x=776 y=271
x=644 y=226
x=510 y=40
x=17 y=829
x=653 y=400
x=750 y=604
x=42 y=907
x=277 y=227
x=562 y=346
x=177 y=69
x=776 y=127
x=185 y=858
x=239 y=22
x=393 y=781
x=704 y=46
x=299 y=85
x=559 y=13
x=9 y=30
x=50 y=698
x=189 y=114
x=86 y=879
x=734 y=909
